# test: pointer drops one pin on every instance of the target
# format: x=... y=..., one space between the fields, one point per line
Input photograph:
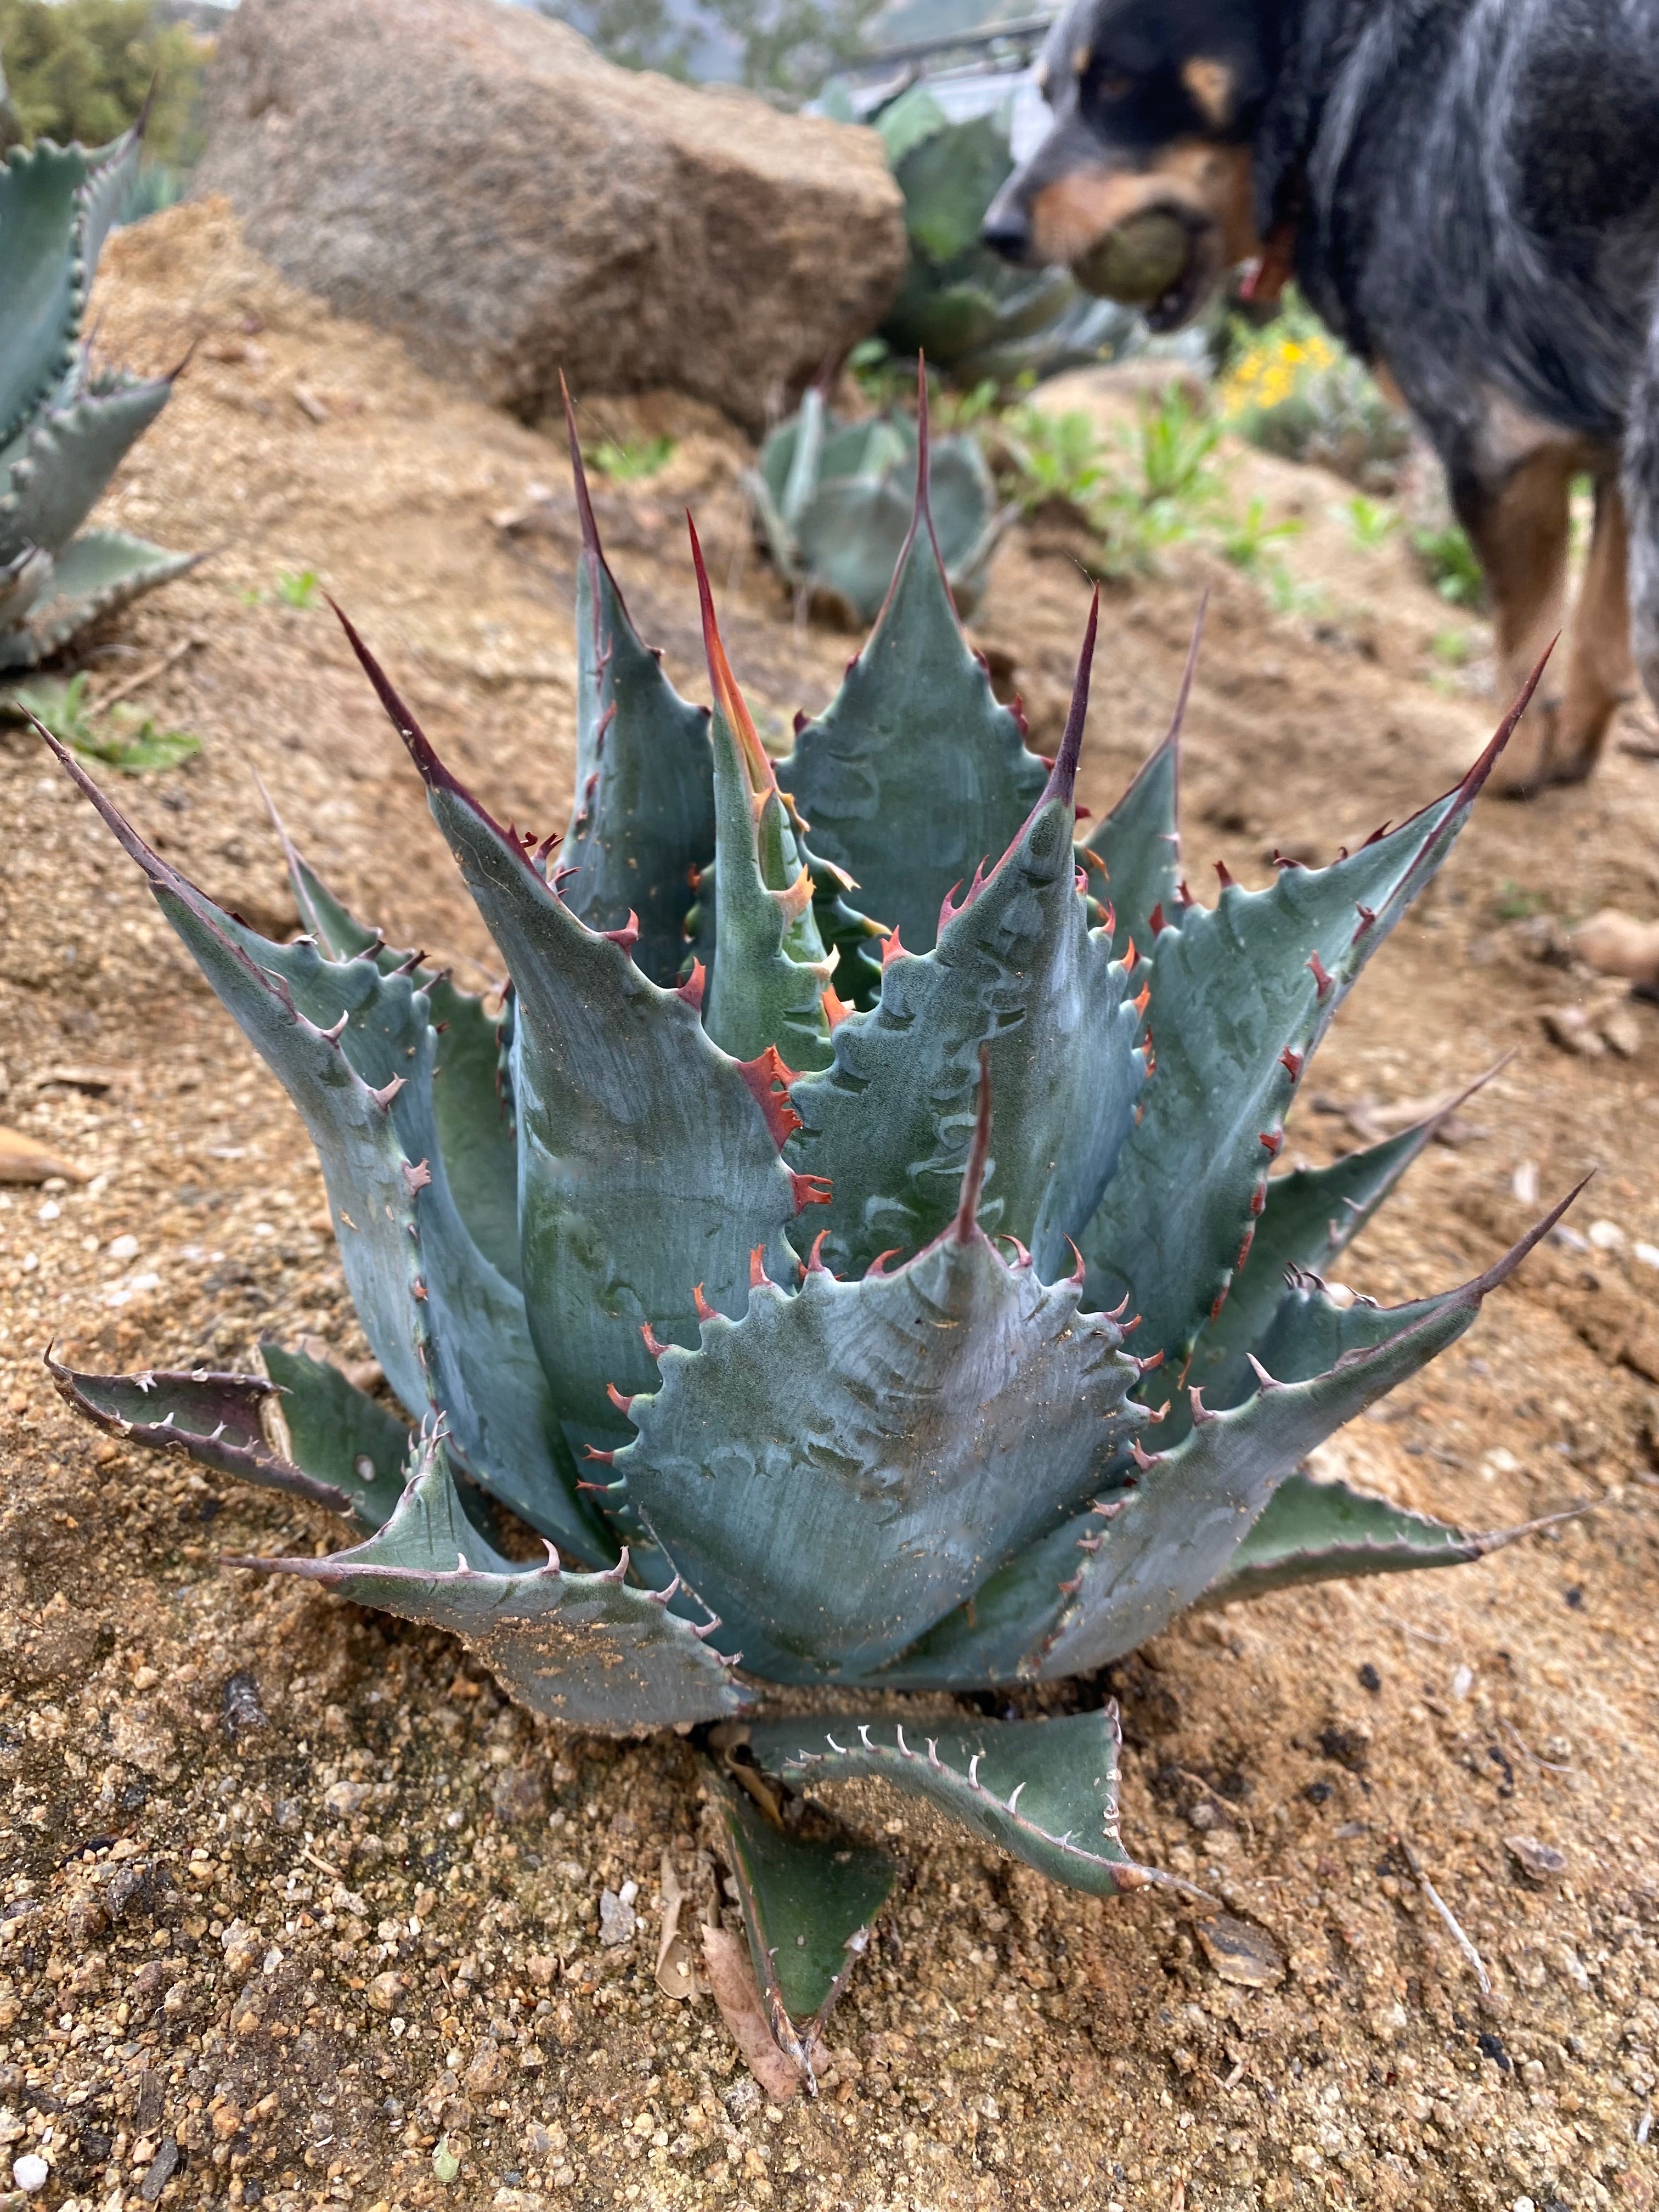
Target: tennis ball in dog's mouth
x=1138 y=261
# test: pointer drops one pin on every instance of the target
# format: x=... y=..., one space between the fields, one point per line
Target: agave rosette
x=893 y=1290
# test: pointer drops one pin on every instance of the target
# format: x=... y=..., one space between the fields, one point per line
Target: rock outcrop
x=477 y=178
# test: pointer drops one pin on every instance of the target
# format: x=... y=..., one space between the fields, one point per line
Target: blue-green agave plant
x=63 y=427
x=925 y=1326
x=834 y=502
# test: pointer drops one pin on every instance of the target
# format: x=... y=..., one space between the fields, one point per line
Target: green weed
x=1371 y=522
x=1451 y=565
x=1244 y=539
x=129 y=741
x=628 y=460
x=298 y=588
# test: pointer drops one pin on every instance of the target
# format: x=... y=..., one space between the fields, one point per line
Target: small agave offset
x=900 y=1298
x=63 y=427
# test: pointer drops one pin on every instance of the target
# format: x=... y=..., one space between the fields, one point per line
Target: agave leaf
x=850 y=537
x=809 y=1904
x=912 y=775
x=1316 y=1532
x=806 y=452
x=68 y=456
x=1310 y=1216
x=644 y=814
x=906 y=122
x=992 y=1638
x=1016 y=967
x=1242 y=994
x=46 y=282
x=339 y=1433
x=475 y=1134
x=354 y=1050
x=1045 y=1791
x=948 y=180
x=1138 y=844
x=649 y=1163
x=101 y=571
x=215 y=1418
x=767 y=991
x=1179 y=1528
x=843 y=1466
x=588 y=1649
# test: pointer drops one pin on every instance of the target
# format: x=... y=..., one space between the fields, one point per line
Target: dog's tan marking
x=1601 y=675
x=1042 y=78
x=1209 y=183
x=1211 y=84
x=1081 y=58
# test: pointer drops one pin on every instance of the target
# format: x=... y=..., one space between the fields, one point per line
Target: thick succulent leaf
x=809 y=1903
x=842 y=1468
x=1316 y=1532
x=588 y=1649
x=850 y=538
x=904 y=123
x=990 y=1639
x=1309 y=1217
x=448 y=1330
x=648 y=1164
x=102 y=571
x=643 y=819
x=475 y=1131
x=1045 y=1791
x=914 y=774
x=766 y=994
x=1016 y=969
x=1241 y=995
x=1179 y=1528
x=1138 y=844
x=218 y=1420
x=339 y=1433
x=948 y=180
x=68 y=458
x=40 y=213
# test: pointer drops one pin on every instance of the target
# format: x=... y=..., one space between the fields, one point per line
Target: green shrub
x=79 y=71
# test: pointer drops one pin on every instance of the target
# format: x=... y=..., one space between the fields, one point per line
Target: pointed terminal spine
x=727 y=697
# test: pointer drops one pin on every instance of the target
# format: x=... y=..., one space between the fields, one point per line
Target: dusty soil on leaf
x=297 y=1911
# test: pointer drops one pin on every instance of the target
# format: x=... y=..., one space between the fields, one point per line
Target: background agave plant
x=974 y=316
x=63 y=427
x=737 y=1291
x=834 y=502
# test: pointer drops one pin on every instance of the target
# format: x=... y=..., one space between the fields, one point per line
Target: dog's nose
x=1007 y=231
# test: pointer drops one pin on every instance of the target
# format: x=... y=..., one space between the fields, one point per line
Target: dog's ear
x=1212 y=86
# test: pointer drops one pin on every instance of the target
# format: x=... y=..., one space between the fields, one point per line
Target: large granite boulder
x=476 y=178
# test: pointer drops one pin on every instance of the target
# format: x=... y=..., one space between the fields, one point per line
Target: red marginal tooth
x=1367 y=916
x=810 y=1190
x=1244 y=1250
x=1258 y=1198
x=592 y=1452
x=1159 y=925
x=1147 y=1366
x=1271 y=1141
x=814 y=1258
x=628 y=935
x=652 y=1344
x=623 y=1403
x=1228 y=879
x=879 y=1265
x=769 y=1081
x=1322 y=980
x=1129 y=950
x=703 y=1310
x=1143 y=1001
x=757 y=1273
x=1216 y=1304
x=1183 y=896
x=1291 y=1063
x=892 y=950
x=692 y=989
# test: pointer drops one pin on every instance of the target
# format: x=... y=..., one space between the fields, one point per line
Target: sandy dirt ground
x=297 y=1911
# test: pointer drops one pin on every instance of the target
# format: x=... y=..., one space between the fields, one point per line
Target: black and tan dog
x=1467 y=191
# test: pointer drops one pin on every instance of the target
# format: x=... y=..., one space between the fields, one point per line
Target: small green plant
x=299 y=587
x=129 y=741
x=1153 y=487
x=1055 y=457
x=81 y=71
x=1450 y=563
x=1453 y=648
x=1245 y=537
x=1291 y=390
x=1371 y=522
x=1515 y=903
x=626 y=460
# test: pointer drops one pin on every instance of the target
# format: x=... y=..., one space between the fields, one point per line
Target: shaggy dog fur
x=1467 y=191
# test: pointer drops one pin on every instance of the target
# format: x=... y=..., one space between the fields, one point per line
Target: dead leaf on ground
x=732 y=1978
x=26 y=1159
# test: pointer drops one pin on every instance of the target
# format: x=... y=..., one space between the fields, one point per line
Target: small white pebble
x=50 y=1211
x=1647 y=1254
x=1605 y=1236
x=30 y=2172
x=123 y=1248
x=1462 y=1681
x=264 y=1228
x=1522 y=2204
x=1524 y=1183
